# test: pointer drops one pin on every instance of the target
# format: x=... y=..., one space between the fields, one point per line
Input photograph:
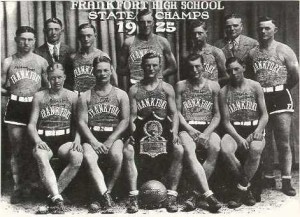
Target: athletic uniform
x=137 y=50
x=210 y=63
x=271 y=73
x=83 y=76
x=197 y=105
x=243 y=111
x=24 y=80
x=54 y=122
x=103 y=113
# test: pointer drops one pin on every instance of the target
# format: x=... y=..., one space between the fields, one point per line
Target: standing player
x=198 y=110
x=276 y=68
x=51 y=127
x=153 y=89
x=103 y=118
x=82 y=79
x=54 y=50
x=22 y=76
x=135 y=47
x=235 y=44
x=214 y=59
x=244 y=116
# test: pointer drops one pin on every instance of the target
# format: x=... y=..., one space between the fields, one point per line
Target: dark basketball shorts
x=55 y=142
x=279 y=102
x=18 y=110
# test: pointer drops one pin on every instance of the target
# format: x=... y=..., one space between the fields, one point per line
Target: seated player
x=152 y=95
x=244 y=116
x=103 y=115
x=199 y=115
x=52 y=130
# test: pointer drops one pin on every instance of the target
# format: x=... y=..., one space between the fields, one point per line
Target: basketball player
x=23 y=74
x=275 y=67
x=162 y=94
x=244 y=116
x=103 y=115
x=235 y=44
x=198 y=110
x=135 y=47
x=51 y=127
x=82 y=78
x=214 y=59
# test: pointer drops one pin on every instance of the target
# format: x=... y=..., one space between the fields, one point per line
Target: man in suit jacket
x=235 y=44
x=54 y=50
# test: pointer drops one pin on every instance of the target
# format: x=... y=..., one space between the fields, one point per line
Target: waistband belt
x=245 y=123
x=54 y=132
x=101 y=129
x=273 y=89
x=199 y=122
x=21 y=98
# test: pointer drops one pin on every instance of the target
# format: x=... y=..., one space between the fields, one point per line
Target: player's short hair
x=150 y=55
x=53 y=20
x=84 y=26
x=54 y=66
x=142 y=13
x=100 y=59
x=234 y=59
x=266 y=18
x=194 y=56
x=197 y=23
x=233 y=15
x=22 y=29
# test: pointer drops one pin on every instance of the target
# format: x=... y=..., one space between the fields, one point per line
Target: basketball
x=152 y=194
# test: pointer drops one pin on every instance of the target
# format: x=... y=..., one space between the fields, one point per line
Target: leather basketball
x=152 y=194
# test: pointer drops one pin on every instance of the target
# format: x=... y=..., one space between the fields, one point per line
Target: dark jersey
x=269 y=69
x=242 y=105
x=197 y=105
x=24 y=76
x=55 y=114
x=104 y=111
x=84 y=78
x=151 y=101
x=137 y=50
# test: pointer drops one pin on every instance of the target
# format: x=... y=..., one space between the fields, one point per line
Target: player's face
x=199 y=35
x=233 y=27
x=57 y=79
x=151 y=67
x=145 y=24
x=236 y=71
x=266 y=30
x=25 y=42
x=195 y=68
x=102 y=72
x=53 y=33
x=87 y=37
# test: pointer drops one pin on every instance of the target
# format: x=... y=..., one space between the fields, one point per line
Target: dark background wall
x=14 y=14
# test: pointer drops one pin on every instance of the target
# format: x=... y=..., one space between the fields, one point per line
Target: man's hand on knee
x=77 y=146
x=42 y=145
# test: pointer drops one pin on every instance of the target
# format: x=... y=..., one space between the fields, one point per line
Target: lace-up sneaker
x=94 y=207
x=171 y=203
x=132 y=206
x=190 y=204
x=236 y=200
x=107 y=204
x=248 y=199
x=287 y=187
x=214 y=204
x=57 y=206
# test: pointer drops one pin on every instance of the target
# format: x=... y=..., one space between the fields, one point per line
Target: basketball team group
x=67 y=105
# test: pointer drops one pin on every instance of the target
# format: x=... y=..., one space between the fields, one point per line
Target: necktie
x=55 y=53
x=232 y=46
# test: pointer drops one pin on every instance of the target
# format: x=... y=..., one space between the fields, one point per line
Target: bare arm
x=292 y=66
x=123 y=124
x=123 y=68
x=220 y=60
x=169 y=57
x=133 y=107
x=45 y=82
x=4 y=82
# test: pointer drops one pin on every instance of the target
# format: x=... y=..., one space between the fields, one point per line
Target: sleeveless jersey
x=104 y=111
x=55 y=114
x=151 y=101
x=242 y=105
x=137 y=50
x=197 y=105
x=24 y=76
x=209 y=64
x=268 y=67
x=83 y=71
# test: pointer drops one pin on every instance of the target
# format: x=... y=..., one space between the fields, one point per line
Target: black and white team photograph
x=150 y=107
